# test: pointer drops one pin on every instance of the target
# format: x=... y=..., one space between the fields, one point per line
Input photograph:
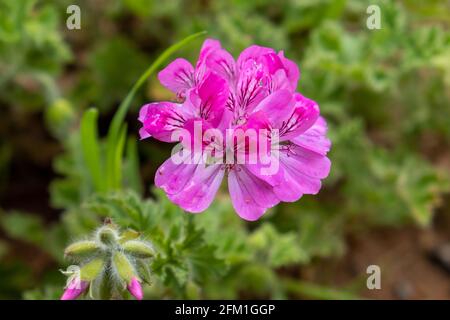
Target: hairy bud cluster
x=110 y=264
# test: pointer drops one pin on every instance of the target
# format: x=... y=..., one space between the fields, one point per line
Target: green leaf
x=276 y=249
x=23 y=226
x=116 y=173
x=114 y=63
x=314 y=291
x=421 y=187
x=47 y=292
x=91 y=148
x=131 y=170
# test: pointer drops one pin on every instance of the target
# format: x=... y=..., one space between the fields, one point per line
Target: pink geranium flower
x=255 y=93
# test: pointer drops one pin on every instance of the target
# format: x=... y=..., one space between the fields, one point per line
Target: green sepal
x=128 y=235
x=101 y=288
x=92 y=269
x=143 y=268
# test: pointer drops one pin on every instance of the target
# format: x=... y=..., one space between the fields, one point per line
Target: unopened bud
x=138 y=249
x=135 y=288
x=81 y=249
x=73 y=291
x=107 y=236
x=123 y=267
x=59 y=115
x=110 y=264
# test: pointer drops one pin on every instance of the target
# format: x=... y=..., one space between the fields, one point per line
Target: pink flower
x=74 y=290
x=255 y=93
x=135 y=288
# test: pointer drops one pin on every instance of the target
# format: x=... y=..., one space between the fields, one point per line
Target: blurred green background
x=384 y=93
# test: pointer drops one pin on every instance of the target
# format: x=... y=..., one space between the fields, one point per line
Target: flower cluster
x=253 y=102
x=108 y=265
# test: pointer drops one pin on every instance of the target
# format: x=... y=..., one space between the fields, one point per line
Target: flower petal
x=314 y=138
x=74 y=290
x=213 y=94
x=280 y=81
x=143 y=134
x=272 y=62
x=251 y=196
x=172 y=176
x=178 y=76
x=222 y=63
x=142 y=116
x=248 y=139
x=250 y=90
x=161 y=119
x=307 y=162
x=209 y=46
x=303 y=169
x=291 y=69
x=277 y=107
x=252 y=53
x=199 y=192
x=270 y=172
x=305 y=114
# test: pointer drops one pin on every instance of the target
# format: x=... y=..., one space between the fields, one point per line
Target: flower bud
x=81 y=249
x=123 y=267
x=135 y=288
x=107 y=236
x=110 y=264
x=59 y=115
x=138 y=249
x=74 y=289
